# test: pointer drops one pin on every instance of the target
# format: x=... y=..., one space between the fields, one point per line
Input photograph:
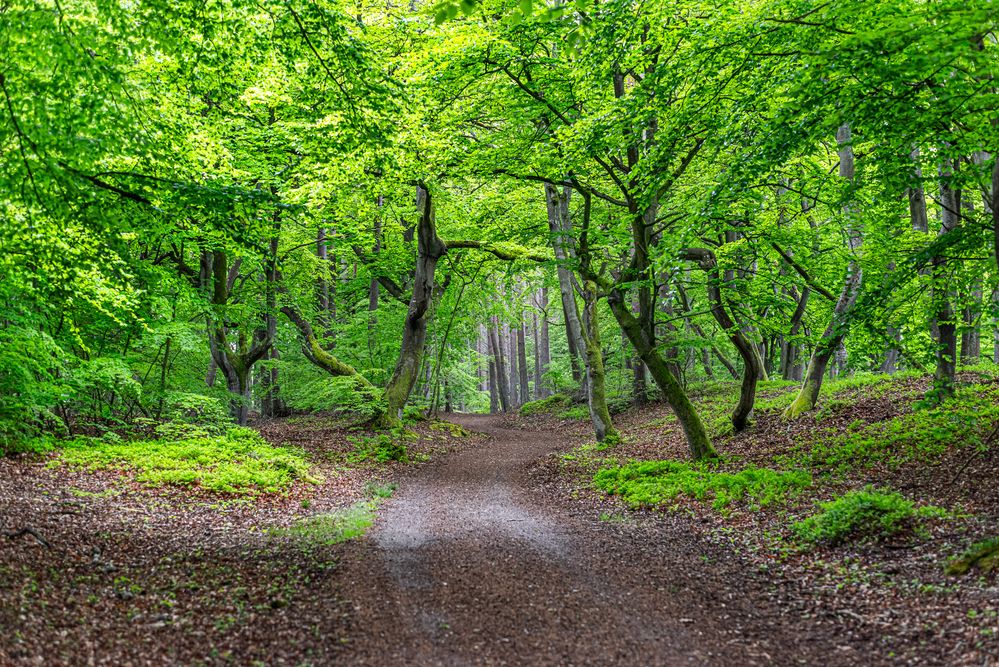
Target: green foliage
x=655 y=483
x=32 y=384
x=548 y=405
x=983 y=556
x=206 y=412
x=381 y=447
x=866 y=514
x=239 y=462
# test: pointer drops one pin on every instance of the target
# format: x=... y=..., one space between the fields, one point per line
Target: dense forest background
x=251 y=208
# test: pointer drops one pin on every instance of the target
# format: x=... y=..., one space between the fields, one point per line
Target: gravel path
x=470 y=565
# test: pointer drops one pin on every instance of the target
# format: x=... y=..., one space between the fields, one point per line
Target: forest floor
x=494 y=549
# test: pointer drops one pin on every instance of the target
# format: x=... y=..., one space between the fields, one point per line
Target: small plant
x=866 y=514
x=380 y=491
x=654 y=483
x=334 y=527
x=982 y=555
x=382 y=448
x=576 y=412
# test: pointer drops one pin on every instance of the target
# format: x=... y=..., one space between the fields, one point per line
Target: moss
x=983 y=556
x=804 y=402
x=239 y=462
x=545 y=405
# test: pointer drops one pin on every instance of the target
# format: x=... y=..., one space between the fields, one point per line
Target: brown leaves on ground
x=170 y=575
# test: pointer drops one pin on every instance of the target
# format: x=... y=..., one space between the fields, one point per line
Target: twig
x=29 y=531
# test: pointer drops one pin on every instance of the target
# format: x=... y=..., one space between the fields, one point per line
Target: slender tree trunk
x=560 y=227
x=510 y=341
x=597 y=391
x=838 y=325
x=693 y=428
x=753 y=367
x=544 y=345
x=945 y=315
x=525 y=392
x=499 y=366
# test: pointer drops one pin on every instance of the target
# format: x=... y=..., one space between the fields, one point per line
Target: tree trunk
x=753 y=367
x=544 y=345
x=500 y=368
x=429 y=250
x=597 y=391
x=525 y=392
x=693 y=428
x=510 y=342
x=945 y=315
x=838 y=325
x=560 y=227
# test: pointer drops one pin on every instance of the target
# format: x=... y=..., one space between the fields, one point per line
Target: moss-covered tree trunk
x=838 y=325
x=693 y=428
x=596 y=384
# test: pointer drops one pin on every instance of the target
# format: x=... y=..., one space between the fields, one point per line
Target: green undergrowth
x=382 y=447
x=656 y=483
x=340 y=525
x=921 y=435
x=983 y=556
x=238 y=462
x=866 y=514
x=549 y=405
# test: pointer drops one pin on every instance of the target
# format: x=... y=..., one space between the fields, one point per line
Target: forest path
x=468 y=565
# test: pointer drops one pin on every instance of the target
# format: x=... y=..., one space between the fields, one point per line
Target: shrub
x=239 y=462
x=206 y=412
x=868 y=513
x=32 y=383
x=659 y=482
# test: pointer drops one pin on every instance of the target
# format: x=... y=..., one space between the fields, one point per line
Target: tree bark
x=525 y=392
x=596 y=384
x=500 y=368
x=753 y=367
x=429 y=250
x=559 y=225
x=544 y=345
x=944 y=313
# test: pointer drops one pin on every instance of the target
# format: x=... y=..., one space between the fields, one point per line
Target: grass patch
x=655 y=483
x=239 y=462
x=333 y=527
x=982 y=555
x=547 y=405
x=866 y=514
x=340 y=525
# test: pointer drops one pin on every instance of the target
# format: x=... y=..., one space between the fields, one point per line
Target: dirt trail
x=468 y=565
